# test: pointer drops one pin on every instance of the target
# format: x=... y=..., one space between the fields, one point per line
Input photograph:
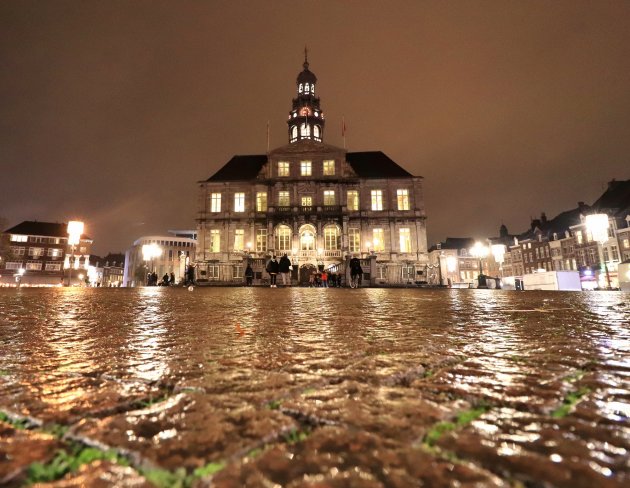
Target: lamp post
x=597 y=225
x=480 y=251
x=498 y=251
x=451 y=266
x=75 y=229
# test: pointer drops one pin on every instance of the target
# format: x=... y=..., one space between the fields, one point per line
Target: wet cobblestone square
x=305 y=387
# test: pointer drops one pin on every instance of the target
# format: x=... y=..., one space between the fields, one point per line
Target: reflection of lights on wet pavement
x=172 y=375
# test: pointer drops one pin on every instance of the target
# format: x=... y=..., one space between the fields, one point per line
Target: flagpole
x=267 y=136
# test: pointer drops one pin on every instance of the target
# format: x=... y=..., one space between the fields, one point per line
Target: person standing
x=272 y=268
x=355 y=272
x=165 y=279
x=172 y=281
x=249 y=275
x=324 y=279
x=284 y=266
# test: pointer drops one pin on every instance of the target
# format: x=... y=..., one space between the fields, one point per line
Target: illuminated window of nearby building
x=16 y=238
x=13 y=265
x=307 y=201
x=405 y=240
x=377 y=199
x=578 y=237
x=261 y=201
x=261 y=240
x=215 y=240
x=239 y=239
x=239 y=202
x=283 y=168
x=615 y=253
x=283 y=238
x=53 y=267
x=54 y=253
x=354 y=240
x=378 y=240
x=34 y=266
x=283 y=199
x=403 y=199
x=329 y=197
x=36 y=251
x=329 y=167
x=306 y=168
x=331 y=238
x=626 y=243
x=215 y=202
x=18 y=251
x=353 y=200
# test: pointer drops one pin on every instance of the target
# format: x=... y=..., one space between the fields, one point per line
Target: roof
x=240 y=168
x=616 y=199
x=455 y=243
x=367 y=164
x=375 y=164
x=34 y=228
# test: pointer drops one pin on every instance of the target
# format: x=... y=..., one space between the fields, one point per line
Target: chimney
x=543 y=218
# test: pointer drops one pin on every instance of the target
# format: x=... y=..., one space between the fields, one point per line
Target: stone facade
x=317 y=203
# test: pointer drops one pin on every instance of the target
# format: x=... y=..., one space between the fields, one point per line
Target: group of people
x=275 y=267
x=167 y=280
x=323 y=279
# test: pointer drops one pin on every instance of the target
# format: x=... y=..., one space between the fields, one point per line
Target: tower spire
x=305 y=57
x=306 y=120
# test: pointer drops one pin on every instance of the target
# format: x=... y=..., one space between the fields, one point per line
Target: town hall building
x=317 y=203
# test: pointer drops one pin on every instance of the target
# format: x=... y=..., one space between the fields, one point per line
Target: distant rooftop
x=45 y=229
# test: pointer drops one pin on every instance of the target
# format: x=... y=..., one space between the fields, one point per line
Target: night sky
x=111 y=111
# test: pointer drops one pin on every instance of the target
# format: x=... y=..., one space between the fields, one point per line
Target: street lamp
x=480 y=251
x=597 y=225
x=75 y=229
x=18 y=276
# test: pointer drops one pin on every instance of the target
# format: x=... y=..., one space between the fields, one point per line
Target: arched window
x=306 y=88
x=307 y=238
x=305 y=130
x=300 y=88
x=283 y=238
x=294 y=132
x=316 y=131
x=313 y=89
x=332 y=238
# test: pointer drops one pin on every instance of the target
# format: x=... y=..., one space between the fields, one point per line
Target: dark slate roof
x=616 y=199
x=34 y=228
x=558 y=225
x=240 y=168
x=375 y=164
x=455 y=243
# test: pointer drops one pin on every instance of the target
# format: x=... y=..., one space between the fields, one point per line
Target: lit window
x=53 y=267
x=34 y=266
x=294 y=132
x=405 y=240
x=283 y=238
x=307 y=241
x=306 y=87
x=300 y=88
x=403 y=199
x=615 y=253
x=36 y=251
x=215 y=240
x=239 y=202
x=354 y=240
x=307 y=201
x=305 y=130
x=578 y=236
x=15 y=238
x=215 y=202
x=353 y=200
x=329 y=167
x=54 y=253
x=306 y=168
x=329 y=197
x=239 y=239
x=377 y=200
x=261 y=201
x=283 y=199
x=261 y=240
x=378 y=240
x=13 y=265
x=316 y=132
x=313 y=89
x=331 y=238
x=283 y=168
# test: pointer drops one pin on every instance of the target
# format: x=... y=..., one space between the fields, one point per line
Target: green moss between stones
x=569 y=402
x=462 y=419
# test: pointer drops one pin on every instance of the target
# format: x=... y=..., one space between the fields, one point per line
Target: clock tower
x=306 y=120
